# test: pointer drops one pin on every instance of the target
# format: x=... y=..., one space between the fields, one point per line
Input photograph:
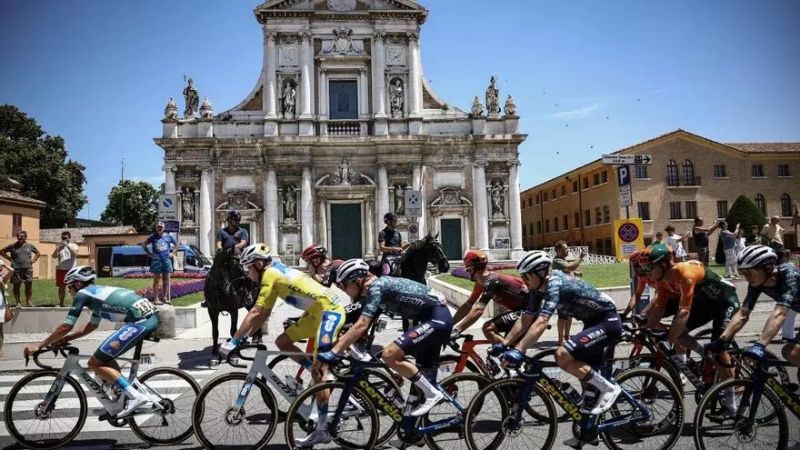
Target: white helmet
x=756 y=256
x=254 y=252
x=534 y=262
x=80 y=273
x=352 y=269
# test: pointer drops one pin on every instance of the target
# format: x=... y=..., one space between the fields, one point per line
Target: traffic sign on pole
x=624 y=181
x=413 y=203
x=639 y=160
x=168 y=206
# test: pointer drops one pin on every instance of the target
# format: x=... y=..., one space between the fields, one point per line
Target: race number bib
x=144 y=307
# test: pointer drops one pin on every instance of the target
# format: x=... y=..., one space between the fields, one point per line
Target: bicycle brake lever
x=27 y=360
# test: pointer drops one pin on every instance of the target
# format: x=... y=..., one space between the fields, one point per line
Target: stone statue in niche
x=290 y=203
x=187 y=205
x=345 y=175
x=477 y=108
x=511 y=107
x=206 y=110
x=192 y=99
x=493 y=97
x=399 y=199
x=396 y=98
x=289 y=99
x=171 y=110
x=497 y=199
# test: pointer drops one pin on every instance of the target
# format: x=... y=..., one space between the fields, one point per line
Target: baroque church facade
x=340 y=125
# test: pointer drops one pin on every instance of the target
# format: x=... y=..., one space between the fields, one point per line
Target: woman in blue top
x=161 y=251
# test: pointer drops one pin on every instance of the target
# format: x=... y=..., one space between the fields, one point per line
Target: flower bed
x=179 y=288
x=148 y=275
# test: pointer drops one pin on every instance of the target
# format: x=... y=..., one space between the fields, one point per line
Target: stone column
x=323 y=223
x=306 y=87
x=322 y=106
x=481 y=212
x=169 y=179
x=418 y=183
x=383 y=194
x=378 y=76
x=363 y=94
x=205 y=239
x=271 y=209
x=271 y=94
x=414 y=76
x=515 y=207
x=306 y=209
x=369 y=213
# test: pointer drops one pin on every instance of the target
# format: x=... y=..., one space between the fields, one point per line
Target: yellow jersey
x=295 y=288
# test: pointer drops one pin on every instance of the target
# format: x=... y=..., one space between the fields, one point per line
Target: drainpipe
x=541 y=207
x=580 y=205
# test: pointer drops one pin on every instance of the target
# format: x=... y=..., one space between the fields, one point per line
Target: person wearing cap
x=161 y=250
x=232 y=236
x=317 y=262
x=390 y=241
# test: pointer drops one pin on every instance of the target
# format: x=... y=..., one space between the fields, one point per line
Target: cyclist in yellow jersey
x=323 y=318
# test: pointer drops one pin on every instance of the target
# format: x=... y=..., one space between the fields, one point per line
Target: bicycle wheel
x=358 y=424
x=549 y=366
x=769 y=430
x=663 y=400
x=651 y=361
x=447 y=366
x=291 y=377
x=220 y=425
x=173 y=424
x=463 y=387
x=491 y=418
x=37 y=429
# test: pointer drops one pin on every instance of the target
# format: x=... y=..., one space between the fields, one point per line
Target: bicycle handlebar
x=237 y=352
x=64 y=349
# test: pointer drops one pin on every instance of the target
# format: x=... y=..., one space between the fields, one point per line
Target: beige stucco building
x=689 y=176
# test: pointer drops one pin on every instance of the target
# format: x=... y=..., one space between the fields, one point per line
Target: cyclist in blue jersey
x=554 y=292
x=110 y=303
x=410 y=300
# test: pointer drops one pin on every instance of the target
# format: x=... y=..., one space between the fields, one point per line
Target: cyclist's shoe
x=605 y=401
x=427 y=404
x=574 y=442
x=133 y=405
x=316 y=437
x=399 y=443
x=684 y=380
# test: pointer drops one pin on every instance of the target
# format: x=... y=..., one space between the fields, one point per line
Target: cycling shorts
x=589 y=345
x=504 y=322
x=321 y=325
x=126 y=338
x=424 y=341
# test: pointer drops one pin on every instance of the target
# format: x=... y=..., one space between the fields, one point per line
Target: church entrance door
x=346 y=231
x=451 y=238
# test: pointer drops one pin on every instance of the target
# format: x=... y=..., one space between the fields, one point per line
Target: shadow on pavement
x=194 y=359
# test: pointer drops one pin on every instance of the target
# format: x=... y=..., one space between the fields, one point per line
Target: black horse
x=414 y=261
x=227 y=288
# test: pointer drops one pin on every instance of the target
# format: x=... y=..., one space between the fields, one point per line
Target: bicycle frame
x=259 y=367
x=642 y=341
x=467 y=352
x=762 y=378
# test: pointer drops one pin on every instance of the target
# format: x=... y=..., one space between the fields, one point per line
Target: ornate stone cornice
x=271 y=36
x=412 y=36
x=378 y=36
x=305 y=36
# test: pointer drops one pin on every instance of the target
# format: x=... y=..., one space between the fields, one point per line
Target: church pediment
x=341 y=5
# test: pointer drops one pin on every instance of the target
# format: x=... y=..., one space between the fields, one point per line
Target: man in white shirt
x=66 y=252
x=675 y=242
x=774 y=233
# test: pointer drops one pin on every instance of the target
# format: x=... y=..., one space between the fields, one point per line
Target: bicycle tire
x=453 y=360
x=281 y=402
x=711 y=398
x=648 y=361
x=562 y=377
x=674 y=413
x=199 y=409
x=11 y=414
x=370 y=413
x=437 y=441
x=499 y=389
x=184 y=434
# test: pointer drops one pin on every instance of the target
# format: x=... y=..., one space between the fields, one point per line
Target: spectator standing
x=675 y=242
x=66 y=252
x=232 y=236
x=659 y=238
x=753 y=237
x=567 y=264
x=700 y=236
x=774 y=234
x=20 y=254
x=5 y=275
x=163 y=247
x=729 y=245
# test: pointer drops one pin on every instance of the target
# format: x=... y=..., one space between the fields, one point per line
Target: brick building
x=689 y=176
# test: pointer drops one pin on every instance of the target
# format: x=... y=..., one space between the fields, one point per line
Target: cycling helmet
x=80 y=273
x=313 y=251
x=254 y=252
x=234 y=215
x=160 y=224
x=475 y=260
x=656 y=253
x=534 y=261
x=351 y=270
x=390 y=216
x=756 y=256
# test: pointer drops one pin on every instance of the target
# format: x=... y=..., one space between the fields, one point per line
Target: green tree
x=746 y=214
x=41 y=164
x=132 y=203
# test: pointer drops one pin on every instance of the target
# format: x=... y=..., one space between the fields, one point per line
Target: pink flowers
x=147 y=275
x=179 y=288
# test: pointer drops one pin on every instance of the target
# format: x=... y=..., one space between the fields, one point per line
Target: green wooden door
x=346 y=230
x=451 y=238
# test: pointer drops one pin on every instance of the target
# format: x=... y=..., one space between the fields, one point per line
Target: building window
x=675 y=210
x=16 y=223
x=554 y=194
x=606 y=214
x=783 y=170
x=343 y=96
x=537 y=199
x=609 y=247
x=531 y=233
x=641 y=173
x=691 y=209
x=722 y=209
x=719 y=171
x=604 y=176
x=566 y=222
x=786 y=205
x=757 y=171
x=539 y=227
x=586 y=182
x=545 y=196
x=563 y=190
x=555 y=224
x=575 y=186
x=577 y=220
x=587 y=218
x=524 y=231
x=672 y=173
x=688 y=173
x=546 y=225
x=761 y=204
x=598 y=215
x=600 y=249
x=596 y=179
x=644 y=210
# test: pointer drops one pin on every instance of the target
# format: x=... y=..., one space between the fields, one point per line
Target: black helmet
x=234 y=215
x=390 y=216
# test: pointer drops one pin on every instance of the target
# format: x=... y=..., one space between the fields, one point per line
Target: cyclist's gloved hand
x=755 y=351
x=639 y=319
x=497 y=349
x=716 y=346
x=226 y=348
x=512 y=358
x=328 y=357
x=455 y=334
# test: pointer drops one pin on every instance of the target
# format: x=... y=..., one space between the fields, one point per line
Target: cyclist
x=410 y=300
x=322 y=319
x=641 y=283
x=551 y=292
x=114 y=304
x=694 y=294
x=390 y=242
x=316 y=256
x=506 y=290
x=781 y=282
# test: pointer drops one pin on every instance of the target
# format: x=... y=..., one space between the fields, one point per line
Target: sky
x=588 y=77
